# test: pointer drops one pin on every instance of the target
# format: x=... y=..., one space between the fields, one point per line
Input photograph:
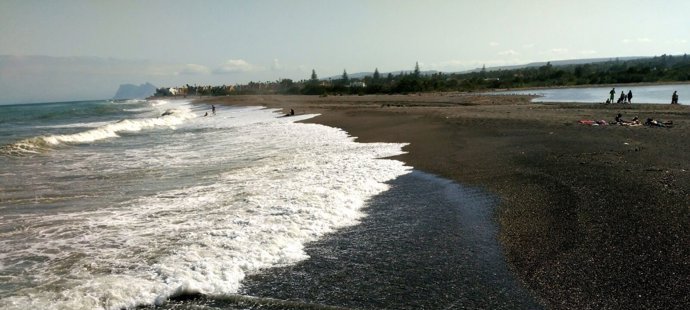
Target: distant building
x=358 y=84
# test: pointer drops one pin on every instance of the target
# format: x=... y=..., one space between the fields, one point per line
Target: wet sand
x=588 y=216
x=427 y=243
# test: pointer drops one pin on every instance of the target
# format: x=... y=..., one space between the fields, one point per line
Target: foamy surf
x=169 y=118
x=195 y=212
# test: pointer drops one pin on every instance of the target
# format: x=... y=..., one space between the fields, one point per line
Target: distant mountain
x=131 y=91
x=557 y=63
x=361 y=75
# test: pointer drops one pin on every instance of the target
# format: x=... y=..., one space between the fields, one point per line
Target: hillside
x=131 y=91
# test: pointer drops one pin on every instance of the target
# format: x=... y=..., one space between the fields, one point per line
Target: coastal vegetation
x=658 y=69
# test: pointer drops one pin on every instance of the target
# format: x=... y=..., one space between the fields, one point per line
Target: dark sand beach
x=587 y=217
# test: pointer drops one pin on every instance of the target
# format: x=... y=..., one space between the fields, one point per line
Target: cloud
x=192 y=69
x=588 y=52
x=637 y=40
x=236 y=66
x=528 y=45
x=72 y=78
x=508 y=53
x=558 y=50
x=276 y=66
x=494 y=44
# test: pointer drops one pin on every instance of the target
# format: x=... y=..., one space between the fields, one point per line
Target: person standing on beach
x=630 y=96
x=613 y=94
x=213 y=109
x=674 y=97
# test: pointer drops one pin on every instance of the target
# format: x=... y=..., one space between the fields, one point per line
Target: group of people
x=620 y=121
x=213 y=111
x=636 y=122
x=624 y=98
x=627 y=98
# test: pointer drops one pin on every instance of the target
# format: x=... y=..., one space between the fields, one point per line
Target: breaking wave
x=222 y=197
x=170 y=118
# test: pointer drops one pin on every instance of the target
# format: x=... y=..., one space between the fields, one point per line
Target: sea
x=164 y=204
x=654 y=94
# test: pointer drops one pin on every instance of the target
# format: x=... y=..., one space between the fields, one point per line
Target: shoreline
x=590 y=216
x=627 y=85
x=426 y=243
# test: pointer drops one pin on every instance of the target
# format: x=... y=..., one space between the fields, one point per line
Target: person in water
x=630 y=96
x=612 y=93
x=213 y=109
x=674 y=97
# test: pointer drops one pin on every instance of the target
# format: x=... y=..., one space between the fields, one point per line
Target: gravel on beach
x=589 y=216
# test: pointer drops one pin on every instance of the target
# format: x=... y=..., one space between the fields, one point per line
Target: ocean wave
x=40 y=144
x=158 y=102
x=128 y=101
x=275 y=186
x=76 y=125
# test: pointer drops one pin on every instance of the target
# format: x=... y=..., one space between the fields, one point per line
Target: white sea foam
x=77 y=125
x=273 y=185
x=158 y=102
x=170 y=118
x=127 y=101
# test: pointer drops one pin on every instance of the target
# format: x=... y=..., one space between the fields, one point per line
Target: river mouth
x=644 y=93
x=427 y=243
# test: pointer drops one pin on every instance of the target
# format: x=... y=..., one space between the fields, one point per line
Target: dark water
x=427 y=243
x=21 y=121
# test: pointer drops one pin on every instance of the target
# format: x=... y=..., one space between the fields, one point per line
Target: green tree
x=345 y=79
x=313 y=87
x=377 y=76
x=416 y=69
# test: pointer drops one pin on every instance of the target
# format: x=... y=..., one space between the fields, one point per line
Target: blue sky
x=84 y=49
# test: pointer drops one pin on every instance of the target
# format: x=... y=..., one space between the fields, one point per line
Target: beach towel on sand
x=593 y=122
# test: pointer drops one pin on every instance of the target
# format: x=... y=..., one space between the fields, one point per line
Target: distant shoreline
x=592 y=86
x=443 y=93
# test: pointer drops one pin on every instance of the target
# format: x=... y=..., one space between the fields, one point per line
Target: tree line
x=664 y=68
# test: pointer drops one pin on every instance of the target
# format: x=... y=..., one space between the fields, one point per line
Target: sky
x=77 y=50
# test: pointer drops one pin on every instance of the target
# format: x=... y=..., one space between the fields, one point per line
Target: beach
x=587 y=216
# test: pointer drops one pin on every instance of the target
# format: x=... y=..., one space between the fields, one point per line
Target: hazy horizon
x=72 y=50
